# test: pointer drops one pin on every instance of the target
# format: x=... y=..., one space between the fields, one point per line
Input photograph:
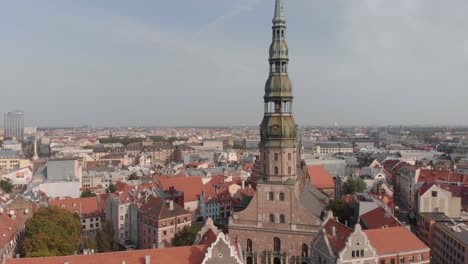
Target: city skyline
x=203 y=63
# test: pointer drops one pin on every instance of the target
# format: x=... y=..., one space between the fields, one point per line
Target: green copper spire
x=278 y=128
x=278 y=147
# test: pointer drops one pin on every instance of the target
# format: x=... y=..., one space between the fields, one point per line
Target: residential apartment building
x=12 y=145
x=409 y=178
x=12 y=160
x=12 y=225
x=333 y=147
x=89 y=209
x=450 y=245
x=118 y=212
x=438 y=197
x=215 y=205
x=159 y=220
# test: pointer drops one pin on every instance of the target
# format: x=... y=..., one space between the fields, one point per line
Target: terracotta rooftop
x=378 y=218
x=191 y=186
x=320 y=177
x=9 y=226
x=442 y=175
x=394 y=240
x=158 y=208
x=179 y=255
x=342 y=233
x=88 y=206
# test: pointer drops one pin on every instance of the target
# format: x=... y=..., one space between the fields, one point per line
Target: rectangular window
x=402 y=260
x=392 y=261
x=434 y=193
x=353 y=254
x=382 y=261
x=410 y=259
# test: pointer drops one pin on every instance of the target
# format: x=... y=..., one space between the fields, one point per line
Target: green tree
x=6 y=185
x=354 y=185
x=105 y=238
x=87 y=193
x=52 y=232
x=185 y=237
x=340 y=209
x=90 y=243
x=111 y=188
x=172 y=139
x=133 y=176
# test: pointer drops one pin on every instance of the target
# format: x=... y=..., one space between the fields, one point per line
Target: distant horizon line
x=242 y=126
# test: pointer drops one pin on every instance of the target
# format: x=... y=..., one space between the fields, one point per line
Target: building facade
x=432 y=197
x=338 y=243
x=14 y=125
x=277 y=226
x=450 y=243
x=159 y=220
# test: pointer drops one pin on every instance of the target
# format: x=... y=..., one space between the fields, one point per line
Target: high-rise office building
x=14 y=125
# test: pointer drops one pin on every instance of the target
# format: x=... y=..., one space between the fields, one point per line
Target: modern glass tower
x=14 y=125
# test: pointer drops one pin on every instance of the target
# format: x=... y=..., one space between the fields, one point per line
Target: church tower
x=282 y=218
x=278 y=129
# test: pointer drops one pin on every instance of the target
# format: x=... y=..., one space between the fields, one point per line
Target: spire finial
x=279 y=15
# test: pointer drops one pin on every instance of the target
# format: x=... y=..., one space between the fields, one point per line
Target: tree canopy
x=52 y=232
x=185 y=237
x=354 y=185
x=340 y=209
x=105 y=238
x=111 y=188
x=133 y=176
x=7 y=186
x=87 y=193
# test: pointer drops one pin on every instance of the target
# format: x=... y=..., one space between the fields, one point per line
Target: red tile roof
x=394 y=240
x=433 y=175
x=342 y=233
x=179 y=255
x=9 y=227
x=378 y=218
x=208 y=238
x=320 y=177
x=191 y=186
x=122 y=187
x=349 y=198
x=88 y=206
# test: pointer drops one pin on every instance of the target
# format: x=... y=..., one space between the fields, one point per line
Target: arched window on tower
x=289 y=170
x=289 y=156
x=305 y=250
x=282 y=219
x=271 y=196
x=276 y=244
x=281 y=196
x=282 y=33
x=272 y=218
x=276 y=156
x=249 y=245
x=276 y=170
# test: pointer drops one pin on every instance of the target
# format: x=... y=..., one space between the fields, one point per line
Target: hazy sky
x=204 y=62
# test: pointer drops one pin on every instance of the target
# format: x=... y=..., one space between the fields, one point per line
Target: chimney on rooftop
x=171 y=205
x=243 y=184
